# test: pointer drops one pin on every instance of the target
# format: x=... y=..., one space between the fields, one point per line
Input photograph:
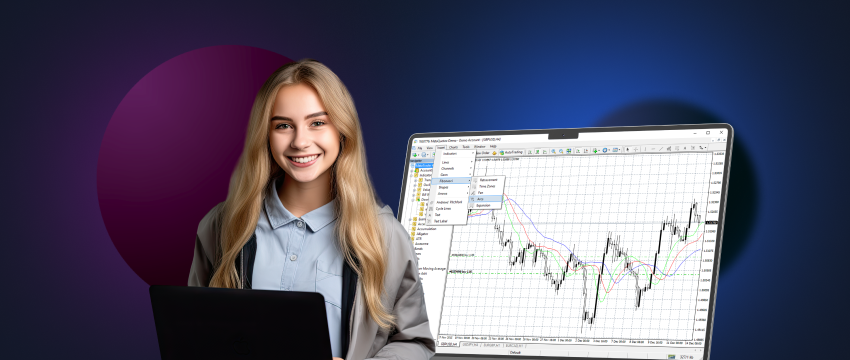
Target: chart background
x=577 y=201
x=777 y=72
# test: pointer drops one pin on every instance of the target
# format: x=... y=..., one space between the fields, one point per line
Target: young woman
x=301 y=215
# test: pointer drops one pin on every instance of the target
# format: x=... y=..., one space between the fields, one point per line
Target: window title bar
x=658 y=134
x=483 y=139
x=580 y=136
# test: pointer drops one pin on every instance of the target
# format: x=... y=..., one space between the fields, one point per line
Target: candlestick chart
x=589 y=247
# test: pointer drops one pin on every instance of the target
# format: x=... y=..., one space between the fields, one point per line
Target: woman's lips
x=306 y=164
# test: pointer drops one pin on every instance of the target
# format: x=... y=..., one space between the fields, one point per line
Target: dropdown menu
x=450 y=186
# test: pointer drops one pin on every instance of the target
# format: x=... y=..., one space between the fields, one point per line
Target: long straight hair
x=358 y=231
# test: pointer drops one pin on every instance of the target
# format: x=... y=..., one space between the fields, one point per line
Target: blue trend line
x=482 y=214
x=659 y=271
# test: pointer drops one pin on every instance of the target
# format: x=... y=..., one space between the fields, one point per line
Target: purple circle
x=169 y=150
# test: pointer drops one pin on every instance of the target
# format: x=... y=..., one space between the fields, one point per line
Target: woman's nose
x=302 y=139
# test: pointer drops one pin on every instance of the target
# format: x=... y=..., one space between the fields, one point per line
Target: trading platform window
x=601 y=246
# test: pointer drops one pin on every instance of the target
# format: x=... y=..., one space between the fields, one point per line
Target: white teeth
x=305 y=159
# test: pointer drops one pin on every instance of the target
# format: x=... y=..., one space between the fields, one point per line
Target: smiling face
x=302 y=139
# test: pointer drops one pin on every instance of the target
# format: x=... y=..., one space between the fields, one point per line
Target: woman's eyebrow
x=320 y=113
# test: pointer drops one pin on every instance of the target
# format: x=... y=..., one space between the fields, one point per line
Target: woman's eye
x=282 y=126
x=318 y=123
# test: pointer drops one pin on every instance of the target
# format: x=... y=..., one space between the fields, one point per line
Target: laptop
x=215 y=323
x=569 y=243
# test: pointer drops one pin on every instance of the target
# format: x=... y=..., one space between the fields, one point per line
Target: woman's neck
x=300 y=198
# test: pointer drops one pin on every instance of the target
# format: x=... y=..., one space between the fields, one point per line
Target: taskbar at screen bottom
x=609 y=351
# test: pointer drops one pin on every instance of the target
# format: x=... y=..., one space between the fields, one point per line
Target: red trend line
x=545 y=247
x=680 y=251
x=666 y=272
x=529 y=238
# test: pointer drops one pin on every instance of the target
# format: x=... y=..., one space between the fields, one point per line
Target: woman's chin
x=301 y=178
x=302 y=175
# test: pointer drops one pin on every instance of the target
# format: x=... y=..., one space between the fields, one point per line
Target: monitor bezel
x=573 y=133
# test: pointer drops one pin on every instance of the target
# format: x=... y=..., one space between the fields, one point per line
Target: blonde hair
x=357 y=228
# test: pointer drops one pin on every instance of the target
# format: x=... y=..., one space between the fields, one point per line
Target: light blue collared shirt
x=300 y=254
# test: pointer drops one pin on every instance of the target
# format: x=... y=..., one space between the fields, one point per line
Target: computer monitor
x=569 y=243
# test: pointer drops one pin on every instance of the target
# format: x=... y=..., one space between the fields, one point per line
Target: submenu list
x=486 y=192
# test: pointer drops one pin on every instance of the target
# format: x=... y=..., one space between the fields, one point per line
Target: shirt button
x=293 y=257
x=299 y=224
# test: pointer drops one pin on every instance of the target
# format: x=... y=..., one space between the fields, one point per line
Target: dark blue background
x=777 y=72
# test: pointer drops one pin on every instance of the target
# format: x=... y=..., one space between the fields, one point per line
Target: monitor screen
x=599 y=243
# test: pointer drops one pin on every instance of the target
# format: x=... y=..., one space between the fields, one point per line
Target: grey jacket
x=411 y=338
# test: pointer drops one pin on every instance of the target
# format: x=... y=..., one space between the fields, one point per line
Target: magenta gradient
x=169 y=150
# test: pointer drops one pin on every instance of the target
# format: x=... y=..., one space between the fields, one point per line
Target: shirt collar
x=280 y=216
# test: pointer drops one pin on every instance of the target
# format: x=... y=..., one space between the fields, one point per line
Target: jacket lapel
x=349 y=288
x=247 y=266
